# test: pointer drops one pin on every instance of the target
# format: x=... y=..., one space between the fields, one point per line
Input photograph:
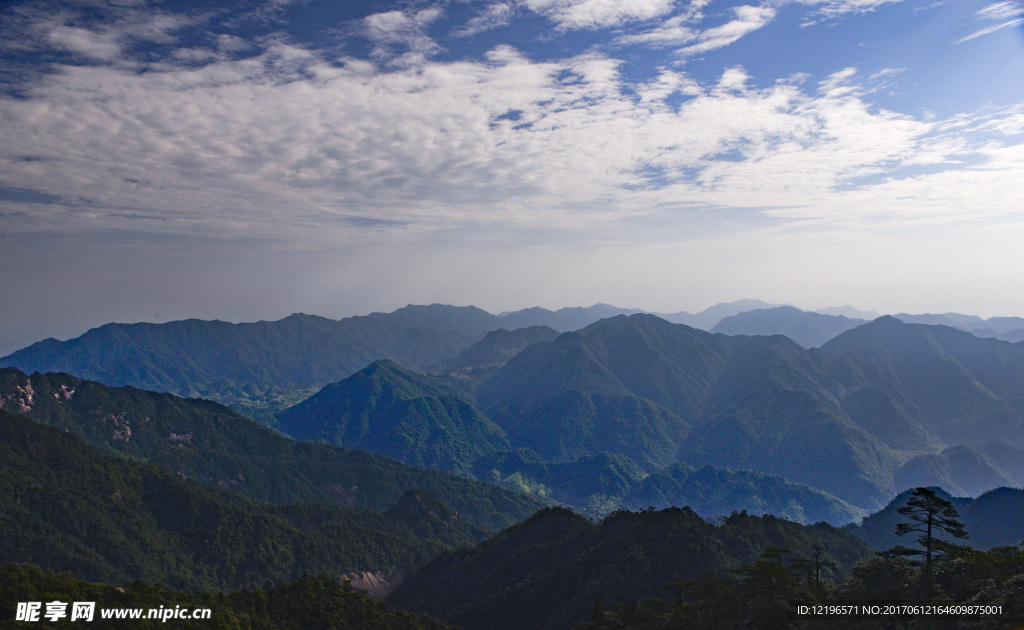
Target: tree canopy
x=931 y=516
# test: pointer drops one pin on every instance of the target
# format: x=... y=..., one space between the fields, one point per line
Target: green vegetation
x=549 y=571
x=592 y=485
x=767 y=594
x=713 y=491
x=256 y=366
x=779 y=592
x=392 y=411
x=304 y=604
x=106 y=518
x=930 y=516
x=209 y=443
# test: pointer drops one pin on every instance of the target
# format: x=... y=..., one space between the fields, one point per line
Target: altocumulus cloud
x=288 y=139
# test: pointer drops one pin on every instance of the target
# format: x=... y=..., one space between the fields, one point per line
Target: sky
x=247 y=160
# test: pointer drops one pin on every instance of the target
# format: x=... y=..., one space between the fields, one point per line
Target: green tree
x=930 y=515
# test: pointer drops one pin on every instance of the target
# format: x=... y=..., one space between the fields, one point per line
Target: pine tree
x=930 y=515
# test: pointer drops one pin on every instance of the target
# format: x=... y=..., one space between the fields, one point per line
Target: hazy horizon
x=9 y=347
x=248 y=160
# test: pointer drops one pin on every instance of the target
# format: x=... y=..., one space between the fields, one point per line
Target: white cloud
x=681 y=31
x=400 y=37
x=834 y=8
x=579 y=14
x=234 y=145
x=989 y=30
x=102 y=46
x=285 y=143
x=672 y=32
x=748 y=19
x=666 y=84
x=1010 y=10
x=888 y=72
x=96 y=31
x=493 y=16
x=1002 y=10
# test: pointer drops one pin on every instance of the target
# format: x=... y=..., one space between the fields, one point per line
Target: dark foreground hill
x=68 y=507
x=211 y=444
x=549 y=571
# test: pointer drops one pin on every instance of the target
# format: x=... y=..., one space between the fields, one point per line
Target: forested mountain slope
x=549 y=571
x=107 y=518
x=881 y=403
x=209 y=443
x=389 y=410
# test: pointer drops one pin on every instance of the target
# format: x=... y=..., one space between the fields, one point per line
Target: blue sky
x=246 y=160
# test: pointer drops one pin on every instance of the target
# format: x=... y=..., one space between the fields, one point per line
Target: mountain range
x=878 y=407
x=442 y=425
x=261 y=367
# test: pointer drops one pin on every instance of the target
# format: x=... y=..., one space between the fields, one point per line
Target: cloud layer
x=287 y=138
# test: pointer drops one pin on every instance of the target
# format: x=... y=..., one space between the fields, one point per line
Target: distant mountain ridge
x=881 y=402
x=873 y=406
x=276 y=363
x=810 y=330
x=262 y=367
